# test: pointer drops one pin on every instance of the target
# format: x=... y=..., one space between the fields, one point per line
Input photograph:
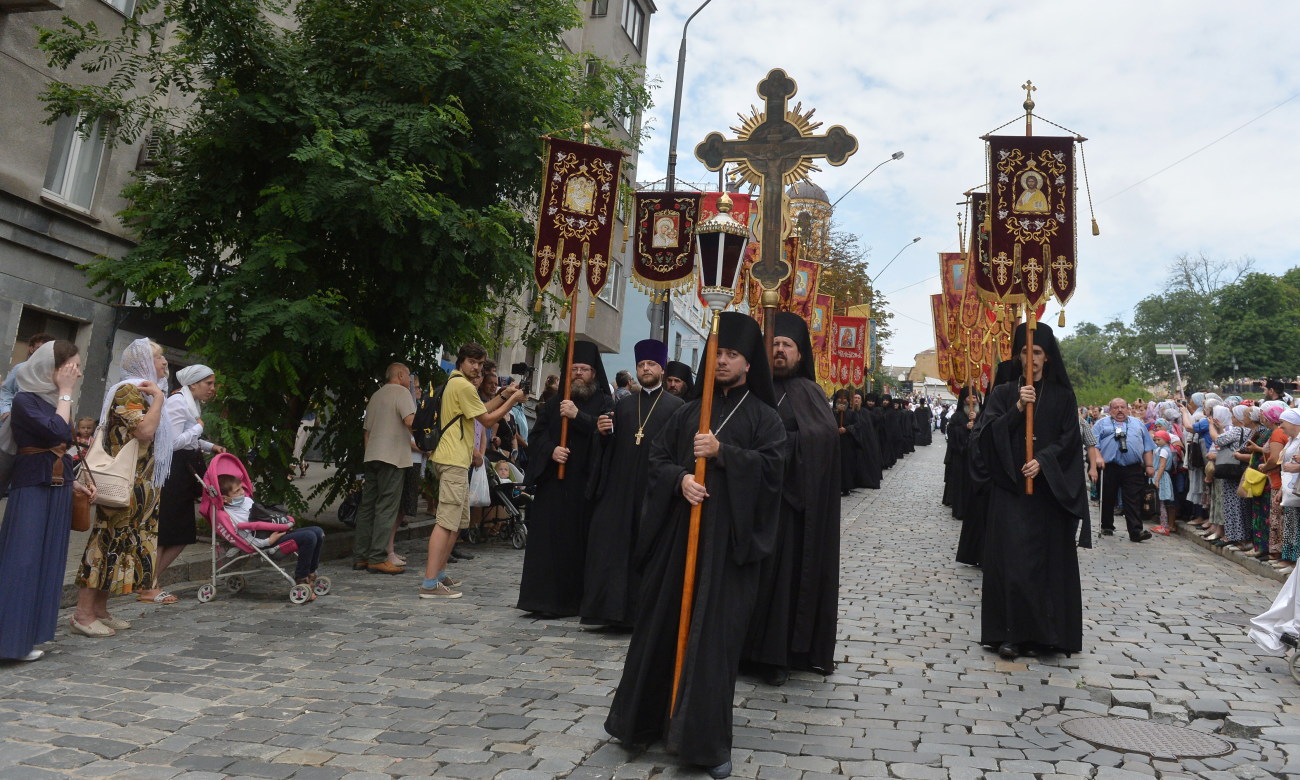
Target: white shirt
x=179 y=412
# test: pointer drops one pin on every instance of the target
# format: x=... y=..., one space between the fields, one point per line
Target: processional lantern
x=721 y=243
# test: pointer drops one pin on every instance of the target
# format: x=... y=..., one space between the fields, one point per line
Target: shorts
x=453 y=496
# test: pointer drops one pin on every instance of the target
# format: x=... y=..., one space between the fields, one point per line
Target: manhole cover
x=1231 y=618
x=1157 y=740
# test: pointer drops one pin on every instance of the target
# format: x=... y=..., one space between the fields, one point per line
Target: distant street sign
x=1172 y=349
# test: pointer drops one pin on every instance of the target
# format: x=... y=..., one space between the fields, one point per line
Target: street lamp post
x=891 y=261
x=670 y=180
x=894 y=156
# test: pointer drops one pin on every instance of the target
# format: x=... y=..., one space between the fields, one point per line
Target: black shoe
x=1029 y=651
x=719 y=771
x=1009 y=651
x=1142 y=537
x=1108 y=532
x=461 y=553
x=776 y=676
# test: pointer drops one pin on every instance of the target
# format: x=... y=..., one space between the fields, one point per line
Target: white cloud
x=1147 y=83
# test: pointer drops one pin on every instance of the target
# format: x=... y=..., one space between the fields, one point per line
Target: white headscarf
x=1198 y=400
x=34 y=376
x=1241 y=412
x=188 y=376
x=1292 y=416
x=137 y=366
x=1223 y=416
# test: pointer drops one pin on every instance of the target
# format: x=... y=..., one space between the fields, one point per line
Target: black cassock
x=884 y=437
x=893 y=420
x=924 y=425
x=1031 y=565
x=738 y=530
x=798 y=598
x=847 y=446
x=956 y=475
x=617 y=490
x=867 y=449
x=557 y=519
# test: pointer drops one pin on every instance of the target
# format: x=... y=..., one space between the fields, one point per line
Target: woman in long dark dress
x=1032 y=601
x=34 y=537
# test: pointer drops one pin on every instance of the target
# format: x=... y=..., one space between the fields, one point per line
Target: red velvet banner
x=664 y=259
x=1032 y=242
x=822 y=309
x=848 y=348
x=575 y=225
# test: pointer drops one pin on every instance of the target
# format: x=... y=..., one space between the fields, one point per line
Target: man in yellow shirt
x=453 y=458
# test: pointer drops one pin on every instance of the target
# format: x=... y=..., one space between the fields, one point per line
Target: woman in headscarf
x=34 y=536
x=1255 y=509
x=120 y=553
x=1225 y=508
x=176 y=527
x=1290 y=460
x=1270 y=413
x=1032 y=600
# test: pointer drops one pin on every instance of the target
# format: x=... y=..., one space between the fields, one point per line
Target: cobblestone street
x=370 y=682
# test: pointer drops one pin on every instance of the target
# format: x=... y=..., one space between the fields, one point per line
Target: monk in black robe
x=738 y=529
x=924 y=424
x=1032 y=601
x=876 y=411
x=678 y=379
x=551 y=583
x=618 y=489
x=889 y=420
x=956 y=472
x=867 y=448
x=798 y=597
x=845 y=420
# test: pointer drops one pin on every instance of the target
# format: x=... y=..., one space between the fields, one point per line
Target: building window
x=633 y=22
x=609 y=293
x=74 y=163
x=124 y=7
x=599 y=7
x=33 y=321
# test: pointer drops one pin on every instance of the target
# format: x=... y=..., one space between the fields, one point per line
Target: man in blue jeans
x=1126 y=448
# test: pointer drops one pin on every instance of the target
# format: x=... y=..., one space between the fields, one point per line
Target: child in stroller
x=243 y=509
x=504 y=517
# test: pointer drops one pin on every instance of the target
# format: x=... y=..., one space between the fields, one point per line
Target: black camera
x=1121 y=438
x=521 y=368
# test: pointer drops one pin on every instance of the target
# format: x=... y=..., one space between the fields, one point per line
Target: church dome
x=806 y=190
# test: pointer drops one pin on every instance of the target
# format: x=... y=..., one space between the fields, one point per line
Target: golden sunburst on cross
x=743 y=172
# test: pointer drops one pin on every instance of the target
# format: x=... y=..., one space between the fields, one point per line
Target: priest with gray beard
x=552 y=580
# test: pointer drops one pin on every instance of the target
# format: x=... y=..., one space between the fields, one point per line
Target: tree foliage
x=1235 y=322
x=844 y=276
x=337 y=192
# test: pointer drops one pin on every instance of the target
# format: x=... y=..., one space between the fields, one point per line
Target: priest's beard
x=580 y=390
x=738 y=379
x=786 y=371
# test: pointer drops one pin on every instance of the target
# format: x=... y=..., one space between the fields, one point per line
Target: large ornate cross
x=773 y=149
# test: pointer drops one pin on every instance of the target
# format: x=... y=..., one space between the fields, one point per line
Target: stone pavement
x=370 y=682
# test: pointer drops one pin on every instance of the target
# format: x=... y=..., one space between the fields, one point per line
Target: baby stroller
x=510 y=497
x=237 y=550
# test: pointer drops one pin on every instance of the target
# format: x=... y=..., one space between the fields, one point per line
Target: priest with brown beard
x=617 y=490
x=551 y=584
x=794 y=625
x=738 y=529
x=677 y=378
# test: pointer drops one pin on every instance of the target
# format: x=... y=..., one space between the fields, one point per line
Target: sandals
x=163 y=597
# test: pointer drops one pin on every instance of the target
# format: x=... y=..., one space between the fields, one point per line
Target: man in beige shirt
x=388 y=455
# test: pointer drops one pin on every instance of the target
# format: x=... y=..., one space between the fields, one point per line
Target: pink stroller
x=224 y=532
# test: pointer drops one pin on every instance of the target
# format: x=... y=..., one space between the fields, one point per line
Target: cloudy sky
x=1147 y=82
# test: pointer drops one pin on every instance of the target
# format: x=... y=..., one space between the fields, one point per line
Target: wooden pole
x=693 y=534
x=1031 y=319
x=568 y=368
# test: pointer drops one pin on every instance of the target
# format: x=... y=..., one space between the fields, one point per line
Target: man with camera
x=1126 y=448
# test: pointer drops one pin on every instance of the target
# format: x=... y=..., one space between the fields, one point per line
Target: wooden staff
x=568 y=367
x=1031 y=320
x=693 y=534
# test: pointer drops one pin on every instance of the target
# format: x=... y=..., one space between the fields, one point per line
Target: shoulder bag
x=114 y=476
x=81 y=501
x=1252 y=483
x=1226 y=465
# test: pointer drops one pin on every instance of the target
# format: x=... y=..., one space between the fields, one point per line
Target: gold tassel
x=1060 y=321
x=537 y=307
x=591 y=310
x=1096 y=231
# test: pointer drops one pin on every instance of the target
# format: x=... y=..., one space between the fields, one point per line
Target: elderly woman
x=1255 y=510
x=1290 y=467
x=34 y=537
x=119 y=555
x=1270 y=413
x=176 y=527
x=1225 y=509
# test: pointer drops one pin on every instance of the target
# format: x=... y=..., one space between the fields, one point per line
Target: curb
x=338 y=544
x=1250 y=564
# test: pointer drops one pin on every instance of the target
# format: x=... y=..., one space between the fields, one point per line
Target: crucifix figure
x=774 y=149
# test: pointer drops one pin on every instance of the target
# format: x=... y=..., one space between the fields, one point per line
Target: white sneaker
x=34 y=655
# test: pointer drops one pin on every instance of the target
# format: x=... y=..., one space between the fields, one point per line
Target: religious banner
x=1031 y=200
x=848 y=347
x=952 y=273
x=741 y=207
x=803 y=288
x=818 y=331
x=576 y=216
x=942 y=349
x=664 y=259
x=978 y=248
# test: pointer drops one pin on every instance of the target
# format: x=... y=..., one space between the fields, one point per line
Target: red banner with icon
x=575 y=224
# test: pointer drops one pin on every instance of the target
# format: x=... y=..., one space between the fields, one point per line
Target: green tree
x=1258 y=322
x=844 y=276
x=1178 y=316
x=337 y=192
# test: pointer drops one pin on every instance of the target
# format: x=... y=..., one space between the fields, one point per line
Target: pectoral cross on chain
x=639 y=436
x=773 y=149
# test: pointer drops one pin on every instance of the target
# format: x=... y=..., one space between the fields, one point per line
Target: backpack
x=427 y=426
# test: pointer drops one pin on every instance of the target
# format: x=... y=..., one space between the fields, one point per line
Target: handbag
x=1226 y=465
x=1252 y=483
x=1195 y=455
x=81 y=503
x=114 y=475
x=1150 y=508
